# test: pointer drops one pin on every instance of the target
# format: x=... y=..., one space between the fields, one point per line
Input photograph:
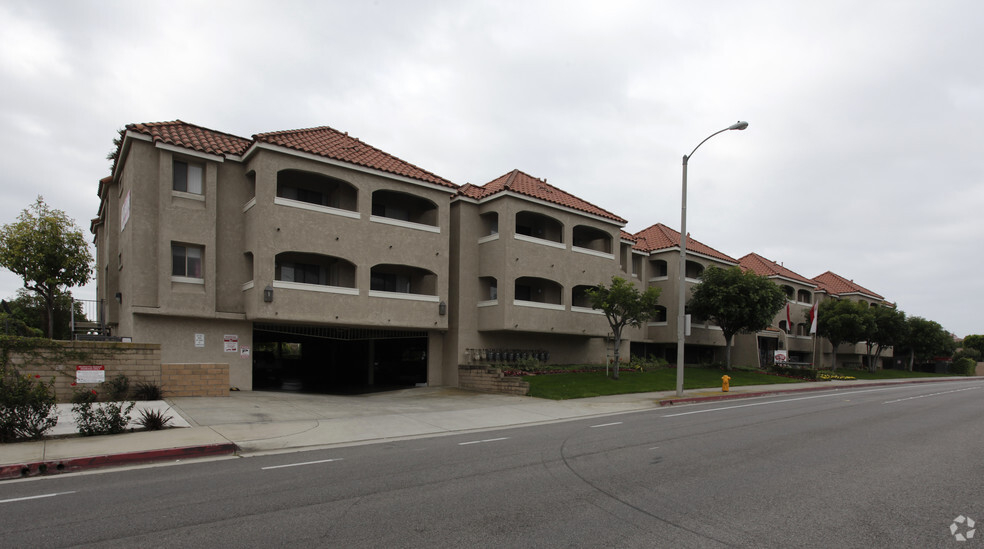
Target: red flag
x=789 y=322
x=813 y=318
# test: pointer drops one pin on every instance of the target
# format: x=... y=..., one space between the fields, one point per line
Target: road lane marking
x=482 y=441
x=607 y=424
x=35 y=497
x=299 y=464
x=931 y=395
x=826 y=395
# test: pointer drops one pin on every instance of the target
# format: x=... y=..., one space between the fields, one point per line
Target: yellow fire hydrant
x=725 y=383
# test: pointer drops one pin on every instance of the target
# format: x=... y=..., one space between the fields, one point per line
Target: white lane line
x=607 y=424
x=299 y=464
x=825 y=395
x=482 y=441
x=931 y=395
x=35 y=497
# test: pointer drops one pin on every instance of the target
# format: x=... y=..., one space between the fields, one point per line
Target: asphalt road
x=876 y=467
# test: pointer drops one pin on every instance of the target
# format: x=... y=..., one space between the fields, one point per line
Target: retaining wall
x=180 y=380
x=490 y=380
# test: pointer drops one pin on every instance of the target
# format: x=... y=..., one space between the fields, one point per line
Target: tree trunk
x=833 y=367
x=618 y=343
x=49 y=304
x=727 y=353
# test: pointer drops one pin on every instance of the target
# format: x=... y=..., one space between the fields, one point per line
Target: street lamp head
x=739 y=125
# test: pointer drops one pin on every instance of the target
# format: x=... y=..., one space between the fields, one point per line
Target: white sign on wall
x=90 y=374
x=230 y=343
x=244 y=352
x=781 y=357
x=199 y=340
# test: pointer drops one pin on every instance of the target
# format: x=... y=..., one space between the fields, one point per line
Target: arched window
x=488 y=288
x=788 y=290
x=804 y=296
x=657 y=268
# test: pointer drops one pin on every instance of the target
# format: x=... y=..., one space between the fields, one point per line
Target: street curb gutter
x=729 y=396
x=74 y=465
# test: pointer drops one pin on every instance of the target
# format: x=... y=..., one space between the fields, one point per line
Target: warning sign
x=231 y=343
x=90 y=374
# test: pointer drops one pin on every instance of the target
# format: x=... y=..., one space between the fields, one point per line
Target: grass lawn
x=581 y=385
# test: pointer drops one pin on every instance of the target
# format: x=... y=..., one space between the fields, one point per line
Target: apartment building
x=308 y=259
x=656 y=262
x=301 y=258
x=853 y=355
x=790 y=330
x=525 y=253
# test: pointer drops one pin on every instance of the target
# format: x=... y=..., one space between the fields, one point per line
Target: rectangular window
x=186 y=261
x=187 y=177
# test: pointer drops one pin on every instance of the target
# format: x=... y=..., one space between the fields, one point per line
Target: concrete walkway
x=257 y=422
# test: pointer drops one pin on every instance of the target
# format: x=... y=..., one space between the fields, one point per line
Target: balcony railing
x=92 y=324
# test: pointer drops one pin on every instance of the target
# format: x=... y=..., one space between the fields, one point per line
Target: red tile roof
x=626 y=236
x=331 y=143
x=190 y=136
x=527 y=185
x=766 y=267
x=321 y=141
x=835 y=284
x=661 y=237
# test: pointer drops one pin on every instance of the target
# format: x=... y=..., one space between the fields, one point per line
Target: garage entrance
x=337 y=360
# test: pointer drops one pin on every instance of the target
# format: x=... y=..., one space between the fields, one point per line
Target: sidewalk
x=255 y=422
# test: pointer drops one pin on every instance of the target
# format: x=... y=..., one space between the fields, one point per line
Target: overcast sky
x=863 y=154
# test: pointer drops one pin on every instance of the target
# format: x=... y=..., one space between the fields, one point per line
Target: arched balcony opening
x=694 y=270
x=488 y=288
x=402 y=279
x=404 y=207
x=660 y=314
x=539 y=226
x=658 y=268
x=789 y=291
x=323 y=270
x=538 y=290
x=317 y=189
x=490 y=223
x=804 y=296
x=579 y=296
x=591 y=238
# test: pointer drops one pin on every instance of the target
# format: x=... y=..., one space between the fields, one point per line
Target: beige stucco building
x=307 y=258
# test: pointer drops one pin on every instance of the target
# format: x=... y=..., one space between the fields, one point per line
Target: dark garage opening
x=337 y=360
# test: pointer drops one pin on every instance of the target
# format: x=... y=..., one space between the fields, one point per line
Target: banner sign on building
x=781 y=357
x=90 y=374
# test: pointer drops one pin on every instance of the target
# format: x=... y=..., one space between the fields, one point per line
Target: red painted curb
x=72 y=465
x=689 y=400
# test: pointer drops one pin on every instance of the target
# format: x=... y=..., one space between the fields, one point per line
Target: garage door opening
x=337 y=360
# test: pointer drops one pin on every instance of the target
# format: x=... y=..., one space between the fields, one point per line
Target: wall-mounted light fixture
x=268 y=294
x=442 y=308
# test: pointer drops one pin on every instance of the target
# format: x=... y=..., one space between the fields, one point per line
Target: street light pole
x=682 y=290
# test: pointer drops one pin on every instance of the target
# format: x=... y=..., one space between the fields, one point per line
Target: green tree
x=975 y=342
x=737 y=301
x=623 y=305
x=843 y=321
x=887 y=329
x=926 y=340
x=48 y=251
x=31 y=309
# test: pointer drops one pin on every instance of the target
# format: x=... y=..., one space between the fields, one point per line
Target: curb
x=692 y=400
x=74 y=465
